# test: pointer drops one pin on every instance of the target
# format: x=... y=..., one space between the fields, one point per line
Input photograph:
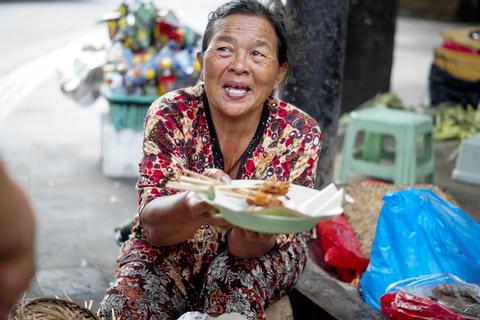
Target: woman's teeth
x=236 y=92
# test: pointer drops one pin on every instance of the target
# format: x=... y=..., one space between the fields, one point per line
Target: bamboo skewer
x=196 y=181
x=256 y=195
x=187 y=186
x=201 y=176
x=228 y=187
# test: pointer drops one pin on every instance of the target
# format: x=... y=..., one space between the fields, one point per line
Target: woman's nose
x=239 y=64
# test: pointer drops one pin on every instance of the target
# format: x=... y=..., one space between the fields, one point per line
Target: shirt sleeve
x=163 y=156
x=305 y=167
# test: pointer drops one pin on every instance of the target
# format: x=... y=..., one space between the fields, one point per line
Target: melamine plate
x=304 y=209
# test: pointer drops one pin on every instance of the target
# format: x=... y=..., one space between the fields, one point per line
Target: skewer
x=230 y=187
x=187 y=186
x=196 y=181
x=258 y=198
x=235 y=194
x=201 y=176
x=256 y=207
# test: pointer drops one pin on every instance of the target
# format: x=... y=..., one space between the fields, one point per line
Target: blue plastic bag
x=418 y=233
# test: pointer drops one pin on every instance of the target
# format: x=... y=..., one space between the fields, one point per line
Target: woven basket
x=50 y=309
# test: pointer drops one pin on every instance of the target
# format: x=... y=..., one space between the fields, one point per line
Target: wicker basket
x=50 y=309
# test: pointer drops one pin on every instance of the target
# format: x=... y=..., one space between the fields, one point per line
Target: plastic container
x=127 y=111
x=466 y=168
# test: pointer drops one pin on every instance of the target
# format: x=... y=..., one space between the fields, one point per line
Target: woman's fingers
x=217 y=174
x=199 y=209
x=197 y=206
x=252 y=235
x=219 y=221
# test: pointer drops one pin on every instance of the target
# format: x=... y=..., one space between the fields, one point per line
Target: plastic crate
x=121 y=150
x=127 y=112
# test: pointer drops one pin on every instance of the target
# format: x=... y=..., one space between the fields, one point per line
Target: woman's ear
x=200 y=60
x=282 y=72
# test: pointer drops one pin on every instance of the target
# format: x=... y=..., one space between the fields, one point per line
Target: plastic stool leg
x=372 y=147
x=408 y=158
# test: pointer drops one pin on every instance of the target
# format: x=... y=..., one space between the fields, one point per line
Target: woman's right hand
x=204 y=213
x=171 y=220
x=200 y=209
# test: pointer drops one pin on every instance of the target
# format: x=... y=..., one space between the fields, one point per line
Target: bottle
x=134 y=81
x=166 y=80
x=166 y=52
x=183 y=64
x=150 y=85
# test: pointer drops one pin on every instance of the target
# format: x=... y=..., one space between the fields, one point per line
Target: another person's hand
x=17 y=233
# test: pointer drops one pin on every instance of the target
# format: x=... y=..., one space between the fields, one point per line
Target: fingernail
x=225 y=179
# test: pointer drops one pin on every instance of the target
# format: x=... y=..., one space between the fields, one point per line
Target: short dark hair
x=272 y=10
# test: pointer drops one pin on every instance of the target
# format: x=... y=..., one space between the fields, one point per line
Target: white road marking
x=17 y=84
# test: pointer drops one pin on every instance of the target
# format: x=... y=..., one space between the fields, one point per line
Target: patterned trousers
x=221 y=283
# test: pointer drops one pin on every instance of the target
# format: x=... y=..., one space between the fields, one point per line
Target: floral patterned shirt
x=179 y=133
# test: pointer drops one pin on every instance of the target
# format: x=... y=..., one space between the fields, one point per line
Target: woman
x=182 y=256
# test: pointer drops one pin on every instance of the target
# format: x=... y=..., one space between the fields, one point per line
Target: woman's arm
x=173 y=219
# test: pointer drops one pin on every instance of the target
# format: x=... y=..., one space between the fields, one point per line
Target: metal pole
x=316 y=85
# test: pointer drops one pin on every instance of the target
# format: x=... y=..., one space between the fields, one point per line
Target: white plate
x=305 y=208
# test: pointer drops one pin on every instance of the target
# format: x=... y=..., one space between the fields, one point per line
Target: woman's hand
x=200 y=209
x=218 y=175
x=171 y=220
x=244 y=243
x=204 y=213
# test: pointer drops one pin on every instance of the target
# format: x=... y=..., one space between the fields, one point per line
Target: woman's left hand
x=244 y=243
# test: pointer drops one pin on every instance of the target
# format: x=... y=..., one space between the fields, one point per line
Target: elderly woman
x=181 y=255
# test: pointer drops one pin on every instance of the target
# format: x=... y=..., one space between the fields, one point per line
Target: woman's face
x=240 y=65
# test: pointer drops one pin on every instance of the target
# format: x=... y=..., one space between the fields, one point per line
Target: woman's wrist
x=169 y=220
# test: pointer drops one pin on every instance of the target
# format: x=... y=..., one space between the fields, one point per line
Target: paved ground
x=52 y=147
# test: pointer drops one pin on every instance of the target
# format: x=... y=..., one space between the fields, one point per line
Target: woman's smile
x=236 y=91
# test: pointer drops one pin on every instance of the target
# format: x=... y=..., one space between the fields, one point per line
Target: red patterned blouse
x=179 y=133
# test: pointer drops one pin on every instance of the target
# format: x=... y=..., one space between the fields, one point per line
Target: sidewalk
x=52 y=147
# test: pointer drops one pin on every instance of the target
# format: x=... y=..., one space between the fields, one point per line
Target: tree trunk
x=369 y=50
x=316 y=85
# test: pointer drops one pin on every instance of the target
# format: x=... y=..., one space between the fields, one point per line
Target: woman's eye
x=257 y=55
x=223 y=49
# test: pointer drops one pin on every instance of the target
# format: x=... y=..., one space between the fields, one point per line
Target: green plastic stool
x=405 y=126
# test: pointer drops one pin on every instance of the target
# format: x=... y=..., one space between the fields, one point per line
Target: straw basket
x=50 y=309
